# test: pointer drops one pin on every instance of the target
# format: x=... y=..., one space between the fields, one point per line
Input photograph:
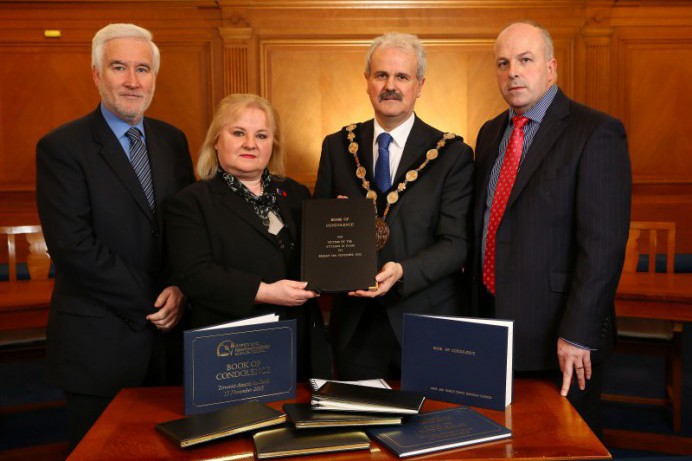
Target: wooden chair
x=38 y=261
x=21 y=334
x=647 y=336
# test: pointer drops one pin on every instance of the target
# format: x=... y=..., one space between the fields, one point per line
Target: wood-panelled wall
x=631 y=58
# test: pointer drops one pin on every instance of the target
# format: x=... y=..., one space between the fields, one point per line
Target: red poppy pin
x=281 y=192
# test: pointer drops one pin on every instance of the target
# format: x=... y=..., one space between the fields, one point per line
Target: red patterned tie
x=508 y=174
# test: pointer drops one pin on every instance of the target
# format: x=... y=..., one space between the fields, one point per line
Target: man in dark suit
x=551 y=236
x=100 y=184
x=421 y=180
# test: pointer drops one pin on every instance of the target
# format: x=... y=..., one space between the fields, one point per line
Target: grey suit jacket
x=561 y=242
x=107 y=246
x=428 y=231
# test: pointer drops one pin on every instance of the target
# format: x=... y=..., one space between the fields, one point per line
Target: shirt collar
x=400 y=133
x=537 y=112
x=119 y=126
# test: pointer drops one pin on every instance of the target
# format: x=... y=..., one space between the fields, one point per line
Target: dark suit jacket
x=428 y=233
x=107 y=247
x=220 y=252
x=561 y=242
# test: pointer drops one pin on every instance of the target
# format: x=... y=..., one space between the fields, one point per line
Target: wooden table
x=544 y=425
x=655 y=296
x=24 y=304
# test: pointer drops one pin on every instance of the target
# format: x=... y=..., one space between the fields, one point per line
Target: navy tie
x=140 y=162
x=382 y=178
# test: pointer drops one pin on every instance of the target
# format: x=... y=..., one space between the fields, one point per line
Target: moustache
x=389 y=95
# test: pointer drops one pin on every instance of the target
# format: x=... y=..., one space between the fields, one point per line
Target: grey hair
x=402 y=41
x=113 y=31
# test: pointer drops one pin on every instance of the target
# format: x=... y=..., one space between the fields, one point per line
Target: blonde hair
x=229 y=109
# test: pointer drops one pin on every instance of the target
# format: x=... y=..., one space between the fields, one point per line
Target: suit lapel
x=551 y=128
x=365 y=153
x=420 y=139
x=238 y=206
x=113 y=155
x=486 y=156
x=284 y=205
x=157 y=161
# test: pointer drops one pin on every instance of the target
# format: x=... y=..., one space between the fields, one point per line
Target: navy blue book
x=458 y=359
x=251 y=359
x=439 y=430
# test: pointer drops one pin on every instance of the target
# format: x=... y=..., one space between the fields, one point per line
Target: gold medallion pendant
x=381 y=233
x=381 y=226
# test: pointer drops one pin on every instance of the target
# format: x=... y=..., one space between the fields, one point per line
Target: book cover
x=287 y=441
x=304 y=417
x=251 y=359
x=337 y=396
x=316 y=383
x=439 y=430
x=458 y=359
x=338 y=245
x=224 y=422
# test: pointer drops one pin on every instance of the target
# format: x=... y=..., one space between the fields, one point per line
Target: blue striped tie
x=382 y=177
x=140 y=162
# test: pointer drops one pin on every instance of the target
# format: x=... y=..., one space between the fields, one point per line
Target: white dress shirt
x=396 y=147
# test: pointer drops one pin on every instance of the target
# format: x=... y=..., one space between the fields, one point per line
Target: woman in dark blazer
x=233 y=236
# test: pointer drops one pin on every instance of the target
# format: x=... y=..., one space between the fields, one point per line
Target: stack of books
x=401 y=428
x=346 y=397
x=333 y=421
x=341 y=417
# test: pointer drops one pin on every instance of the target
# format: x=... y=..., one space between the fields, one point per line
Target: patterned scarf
x=262 y=204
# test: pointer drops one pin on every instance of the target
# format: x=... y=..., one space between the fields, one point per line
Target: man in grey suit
x=421 y=181
x=100 y=186
x=552 y=210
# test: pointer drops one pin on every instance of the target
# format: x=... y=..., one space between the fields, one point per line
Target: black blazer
x=107 y=246
x=428 y=232
x=221 y=251
x=561 y=242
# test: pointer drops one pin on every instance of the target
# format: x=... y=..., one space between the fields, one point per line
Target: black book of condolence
x=350 y=397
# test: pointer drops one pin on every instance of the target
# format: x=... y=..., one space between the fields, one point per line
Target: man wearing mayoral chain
x=420 y=180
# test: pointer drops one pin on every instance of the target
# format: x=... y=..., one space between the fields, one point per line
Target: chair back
x=37 y=260
x=649 y=237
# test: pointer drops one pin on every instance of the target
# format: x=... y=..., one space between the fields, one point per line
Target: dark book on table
x=304 y=417
x=337 y=396
x=235 y=419
x=250 y=359
x=316 y=383
x=458 y=359
x=338 y=251
x=288 y=441
x=439 y=430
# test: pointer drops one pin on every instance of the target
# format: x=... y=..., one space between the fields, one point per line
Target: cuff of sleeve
x=580 y=346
